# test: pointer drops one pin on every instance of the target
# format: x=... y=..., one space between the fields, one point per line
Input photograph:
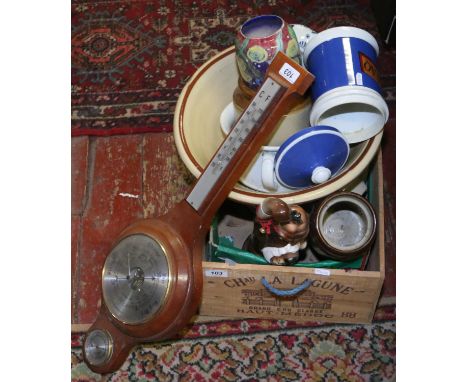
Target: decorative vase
x=258 y=41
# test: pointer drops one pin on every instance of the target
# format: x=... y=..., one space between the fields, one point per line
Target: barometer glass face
x=135 y=279
x=98 y=347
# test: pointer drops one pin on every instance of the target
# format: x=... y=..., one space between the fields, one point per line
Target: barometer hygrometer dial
x=135 y=279
x=98 y=347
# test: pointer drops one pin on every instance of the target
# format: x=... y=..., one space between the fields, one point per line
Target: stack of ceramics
x=327 y=140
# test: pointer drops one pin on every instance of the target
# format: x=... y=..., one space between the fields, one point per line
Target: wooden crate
x=335 y=295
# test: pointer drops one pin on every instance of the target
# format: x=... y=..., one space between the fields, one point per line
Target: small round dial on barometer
x=98 y=347
x=135 y=279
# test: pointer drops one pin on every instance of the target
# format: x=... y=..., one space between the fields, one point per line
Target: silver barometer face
x=98 y=347
x=135 y=279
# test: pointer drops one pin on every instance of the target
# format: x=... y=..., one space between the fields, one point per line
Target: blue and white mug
x=346 y=90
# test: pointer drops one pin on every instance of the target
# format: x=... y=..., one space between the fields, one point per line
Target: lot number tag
x=289 y=73
x=216 y=273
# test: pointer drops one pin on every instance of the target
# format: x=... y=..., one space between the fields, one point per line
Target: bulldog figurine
x=280 y=231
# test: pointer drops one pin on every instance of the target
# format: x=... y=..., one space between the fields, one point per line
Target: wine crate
x=329 y=295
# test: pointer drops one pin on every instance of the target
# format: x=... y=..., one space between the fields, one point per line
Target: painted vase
x=258 y=40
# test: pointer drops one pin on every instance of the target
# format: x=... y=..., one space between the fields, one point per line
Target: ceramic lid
x=311 y=156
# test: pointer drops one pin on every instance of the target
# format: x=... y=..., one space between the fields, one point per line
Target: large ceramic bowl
x=198 y=134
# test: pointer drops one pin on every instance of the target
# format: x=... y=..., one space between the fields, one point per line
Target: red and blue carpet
x=131 y=59
x=261 y=350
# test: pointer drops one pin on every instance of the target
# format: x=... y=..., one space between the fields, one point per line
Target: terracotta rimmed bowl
x=198 y=134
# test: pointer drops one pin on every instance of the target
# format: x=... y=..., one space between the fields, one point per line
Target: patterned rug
x=130 y=59
x=261 y=350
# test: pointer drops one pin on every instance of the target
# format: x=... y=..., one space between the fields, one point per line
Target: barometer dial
x=135 y=279
x=98 y=347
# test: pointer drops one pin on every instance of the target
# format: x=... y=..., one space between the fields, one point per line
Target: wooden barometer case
x=152 y=278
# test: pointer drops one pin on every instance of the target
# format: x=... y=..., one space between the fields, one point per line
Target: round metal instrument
x=135 y=279
x=98 y=347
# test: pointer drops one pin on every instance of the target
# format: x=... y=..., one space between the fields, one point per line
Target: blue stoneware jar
x=346 y=90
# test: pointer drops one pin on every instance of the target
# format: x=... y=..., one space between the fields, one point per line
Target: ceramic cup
x=303 y=35
x=258 y=41
x=346 y=90
x=294 y=121
x=253 y=177
x=342 y=226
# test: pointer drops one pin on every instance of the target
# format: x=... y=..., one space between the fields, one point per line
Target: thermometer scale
x=152 y=278
x=250 y=119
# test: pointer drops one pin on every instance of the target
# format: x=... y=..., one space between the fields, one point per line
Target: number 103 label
x=216 y=273
x=289 y=73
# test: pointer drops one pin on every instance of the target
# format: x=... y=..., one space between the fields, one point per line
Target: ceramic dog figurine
x=280 y=231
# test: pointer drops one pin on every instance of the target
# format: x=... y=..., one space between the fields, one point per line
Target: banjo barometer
x=152 y=278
